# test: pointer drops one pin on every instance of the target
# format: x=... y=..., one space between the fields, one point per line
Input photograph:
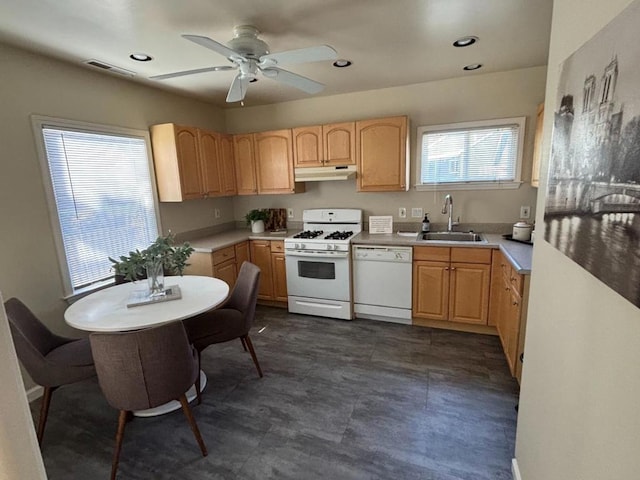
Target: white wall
x=19 y=451
x=579 y=415
x=476 y=97
x=35 y=84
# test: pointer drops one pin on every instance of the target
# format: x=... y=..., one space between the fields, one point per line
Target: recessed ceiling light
x=465 y=41
x=473 y=66
x=141 y=57
x=341 y=63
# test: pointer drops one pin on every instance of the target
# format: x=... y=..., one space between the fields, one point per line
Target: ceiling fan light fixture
x=473 y=66
x=465 y=41
x=342 y=63
x=140 y=57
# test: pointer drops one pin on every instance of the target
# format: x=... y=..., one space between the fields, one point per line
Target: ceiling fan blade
x=191 y=72
x=301 y=55
x=293 y=79
x=238 y=88
x=206 y=42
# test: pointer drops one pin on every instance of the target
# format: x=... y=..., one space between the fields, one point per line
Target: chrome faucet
x=447 y=208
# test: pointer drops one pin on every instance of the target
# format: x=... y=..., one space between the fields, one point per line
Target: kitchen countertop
x=519 y=254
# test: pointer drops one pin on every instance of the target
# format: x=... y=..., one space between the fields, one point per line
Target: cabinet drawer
x=471 y=255
x=516 y=280
x=223 y=255
x=277 y=246
x=433 y=254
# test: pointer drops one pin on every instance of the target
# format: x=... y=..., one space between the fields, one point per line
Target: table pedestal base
x=173 y=404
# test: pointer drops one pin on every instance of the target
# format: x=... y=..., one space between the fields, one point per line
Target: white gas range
x=318 y=262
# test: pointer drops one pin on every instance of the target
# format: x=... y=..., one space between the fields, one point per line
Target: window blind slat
x=104 y=198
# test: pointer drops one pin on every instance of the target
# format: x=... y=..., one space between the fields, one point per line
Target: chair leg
x=192 y=424
x=244 y=344
x=44 y=412
x=122 y=422
x=253 y=354
x=198 y=391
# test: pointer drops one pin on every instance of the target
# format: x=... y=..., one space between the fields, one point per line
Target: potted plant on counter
x=170 y=259
x=256 y=219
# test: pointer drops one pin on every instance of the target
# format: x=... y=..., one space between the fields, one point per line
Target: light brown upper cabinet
x=381 y=154
x=324 y=145
x=245 y=164
x=274 y=162
x=190 y=163
x=537 y=148
x=227 y=166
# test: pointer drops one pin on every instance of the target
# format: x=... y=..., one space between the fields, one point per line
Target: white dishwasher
x=382 y=282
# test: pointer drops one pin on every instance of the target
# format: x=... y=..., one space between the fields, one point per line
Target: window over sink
x=471 y=155
x=101 y=195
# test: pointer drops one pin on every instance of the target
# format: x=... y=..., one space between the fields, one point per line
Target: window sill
x=83 y=292
x=468 y=186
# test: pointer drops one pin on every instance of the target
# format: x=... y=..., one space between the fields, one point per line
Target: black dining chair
x=50 y=360
x=233 y=319
x=144 y=369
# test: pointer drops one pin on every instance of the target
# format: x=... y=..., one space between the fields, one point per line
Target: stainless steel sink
x=451 y=237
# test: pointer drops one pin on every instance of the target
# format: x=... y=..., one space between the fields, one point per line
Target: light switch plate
x=525 y=211
x=217 y=212
x=416 y=212
x=402 y=212
x=289 y=212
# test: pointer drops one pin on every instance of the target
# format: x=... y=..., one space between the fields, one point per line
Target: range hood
x=318 y=174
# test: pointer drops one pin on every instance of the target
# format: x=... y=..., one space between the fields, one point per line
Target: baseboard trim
x=35 y=393
x=515 y=470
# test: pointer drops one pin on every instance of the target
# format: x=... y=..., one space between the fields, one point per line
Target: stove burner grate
x=338 y=235
x=307 y=234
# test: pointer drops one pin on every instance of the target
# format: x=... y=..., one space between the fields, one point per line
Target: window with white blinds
x=473 y=154
x=104 y=197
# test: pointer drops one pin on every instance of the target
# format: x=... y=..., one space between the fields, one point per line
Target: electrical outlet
x=402 y=212
x=289 y=212
x=416 y=212
x=216 y=212
x=525 y=211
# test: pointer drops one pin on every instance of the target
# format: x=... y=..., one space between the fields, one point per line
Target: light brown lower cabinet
x=223 y=263
x=510 y=296
x=451 y=284
x=268 y=255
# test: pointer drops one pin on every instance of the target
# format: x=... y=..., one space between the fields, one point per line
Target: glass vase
x=155 y=278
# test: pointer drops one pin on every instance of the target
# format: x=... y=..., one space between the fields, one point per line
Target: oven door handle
x=300 y=253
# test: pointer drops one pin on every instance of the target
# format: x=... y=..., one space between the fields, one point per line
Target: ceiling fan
x=251 y=55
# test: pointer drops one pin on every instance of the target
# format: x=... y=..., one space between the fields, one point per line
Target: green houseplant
x=256 y=219
x=173 y=259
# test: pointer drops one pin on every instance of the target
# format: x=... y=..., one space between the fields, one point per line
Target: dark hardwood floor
x=339 y=400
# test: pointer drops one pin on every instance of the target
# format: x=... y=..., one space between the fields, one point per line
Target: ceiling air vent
x=110 y=68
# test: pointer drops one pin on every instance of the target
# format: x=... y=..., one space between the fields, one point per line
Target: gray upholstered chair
x=233 y=319
x=50 y=360
x=145 y=369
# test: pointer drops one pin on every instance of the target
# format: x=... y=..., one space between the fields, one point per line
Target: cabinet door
x=511 y=330
x=469 y=293
x=188 y=162
x=226 y=271
x=279 y=277
x=381 y=153
x=339 y=141
x=226 y=166
x=209 y=149
x=200 y=263
x=307 y=146
x=245 y=164
x=261 y=256
x=431 y=290
x=242 y=253
x=497 y=285
x=274 y=161
x=537 y=147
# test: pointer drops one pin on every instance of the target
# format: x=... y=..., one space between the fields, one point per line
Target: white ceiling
x=390 y=42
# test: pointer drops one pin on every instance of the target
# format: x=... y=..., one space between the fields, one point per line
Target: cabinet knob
x=446 y=268
x=453 y=268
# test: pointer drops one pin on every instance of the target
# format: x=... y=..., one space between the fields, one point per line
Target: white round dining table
x=106 y=311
